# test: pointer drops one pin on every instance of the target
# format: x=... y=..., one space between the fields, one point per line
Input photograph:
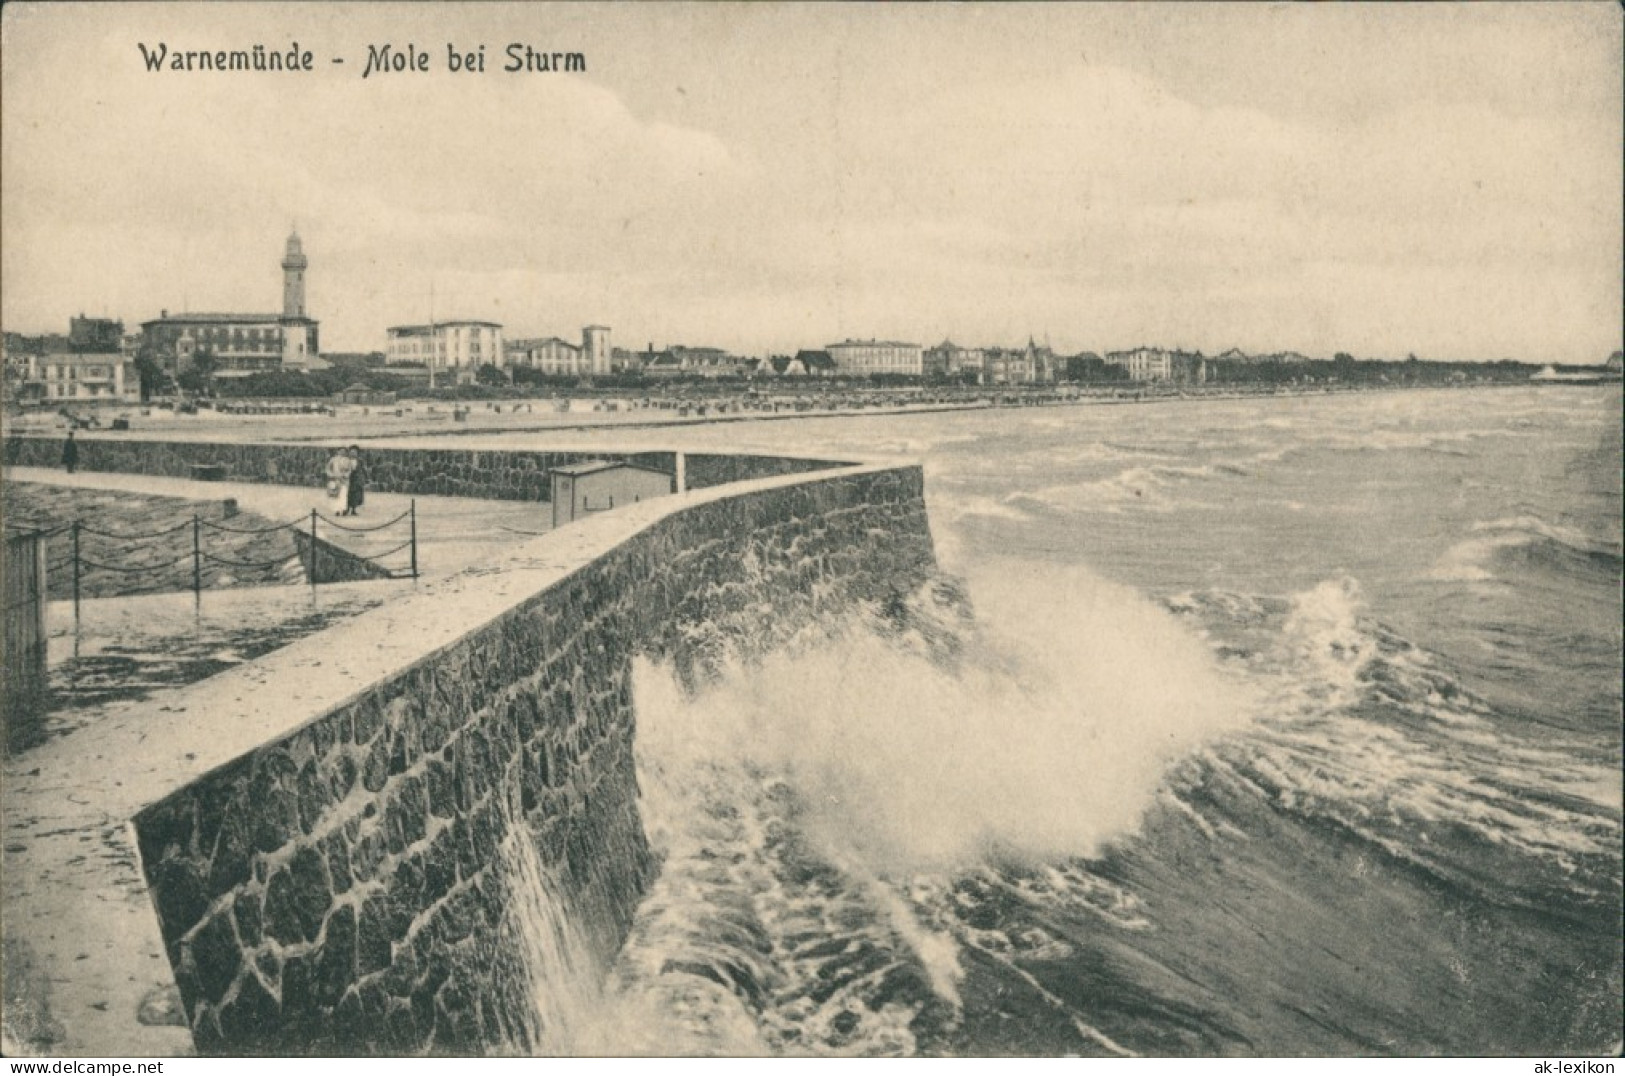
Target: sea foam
x=1048 y=737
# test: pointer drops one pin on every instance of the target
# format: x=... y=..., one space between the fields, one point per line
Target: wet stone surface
x=95 y=674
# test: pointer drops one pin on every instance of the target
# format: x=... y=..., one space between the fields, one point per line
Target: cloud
x=825 y=172
x=191 y=181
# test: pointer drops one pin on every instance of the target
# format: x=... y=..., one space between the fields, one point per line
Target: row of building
x=89 y=363
x=1034 y=364
x=96 y=360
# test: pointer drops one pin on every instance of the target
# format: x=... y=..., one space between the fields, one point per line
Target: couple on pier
x=346 y=481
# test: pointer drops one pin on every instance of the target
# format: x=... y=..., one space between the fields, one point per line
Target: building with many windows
x=877 y=357
x=241 y=344
x=237 y=344
x=549 y=354
x=1006 y=366
x=1158 y=364
x=1034 y=364
x=81 y=377
x=951 y=360
x=457 y=348
x=552 y=355
x=595 y=348
x=87 y=378
x=680 y=360
x=88 y=365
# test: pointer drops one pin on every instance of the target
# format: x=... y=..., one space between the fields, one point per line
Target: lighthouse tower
x=299 y=341
x=293 y=279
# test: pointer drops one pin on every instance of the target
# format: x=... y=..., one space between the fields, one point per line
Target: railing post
x=412 y=511
x=313 y=548
x=197 y=559
x=76 y=573
x=42 y=590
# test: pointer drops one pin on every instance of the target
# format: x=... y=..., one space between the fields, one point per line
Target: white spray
x=1047 y=738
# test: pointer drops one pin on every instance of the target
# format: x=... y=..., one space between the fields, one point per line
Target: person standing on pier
x=339 y=468
x=70 y=452
x=357 y=484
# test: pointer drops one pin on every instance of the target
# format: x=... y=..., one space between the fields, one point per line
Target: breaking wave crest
x=1529 y=541
x=824 y=817
x=1045 y=732
x=1363 y=730
x=852 y=832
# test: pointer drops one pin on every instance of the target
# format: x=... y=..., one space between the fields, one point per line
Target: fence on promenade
x=327 y=562
x=25 y=630
x=178 y=558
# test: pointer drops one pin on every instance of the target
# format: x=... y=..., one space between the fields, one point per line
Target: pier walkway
x=81 y=936
x=453 y=532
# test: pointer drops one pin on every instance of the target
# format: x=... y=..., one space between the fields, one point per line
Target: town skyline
x=1378 y=181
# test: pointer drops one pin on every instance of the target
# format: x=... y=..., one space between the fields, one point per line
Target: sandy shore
x=424 y=418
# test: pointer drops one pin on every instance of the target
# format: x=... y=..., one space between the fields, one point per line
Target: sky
x=1384 y=179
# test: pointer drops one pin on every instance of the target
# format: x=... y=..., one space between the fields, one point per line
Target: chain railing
x=125 y=558
x=318 y=549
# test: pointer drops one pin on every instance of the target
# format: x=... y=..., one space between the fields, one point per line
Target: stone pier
x=325 y=863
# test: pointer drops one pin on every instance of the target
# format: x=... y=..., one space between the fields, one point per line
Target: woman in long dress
x=357 y=485
x=338 y=482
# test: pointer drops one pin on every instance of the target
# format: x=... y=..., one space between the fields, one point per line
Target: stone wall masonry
x=494 y=474
x=349 y=886
x=510 y=475
x=706 y=469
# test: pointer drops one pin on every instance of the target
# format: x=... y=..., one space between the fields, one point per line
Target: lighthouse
x=299 y=341
x=293 y=279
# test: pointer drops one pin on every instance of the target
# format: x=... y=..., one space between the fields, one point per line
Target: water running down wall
x=368 y=882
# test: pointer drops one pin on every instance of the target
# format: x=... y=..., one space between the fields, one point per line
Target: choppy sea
x=1286 y=726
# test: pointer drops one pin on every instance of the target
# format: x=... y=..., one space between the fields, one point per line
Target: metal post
x=76 y=573
x=313 y=548
x=197 y=559
x=413 y=514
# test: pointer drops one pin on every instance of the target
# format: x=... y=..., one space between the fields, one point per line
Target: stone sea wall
x=705 y=469
x=352 y=886
x=494 y=474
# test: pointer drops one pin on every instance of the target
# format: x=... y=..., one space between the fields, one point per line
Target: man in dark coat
x=70 y=453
